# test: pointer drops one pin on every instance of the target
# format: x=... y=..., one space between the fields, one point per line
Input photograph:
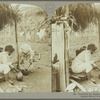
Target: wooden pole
x=17 y=49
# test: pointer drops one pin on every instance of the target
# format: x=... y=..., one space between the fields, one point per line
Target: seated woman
x=82 y=62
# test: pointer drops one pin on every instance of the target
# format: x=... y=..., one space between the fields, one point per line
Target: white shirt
x=4 y=64
x=82 y=63
x=4 y=68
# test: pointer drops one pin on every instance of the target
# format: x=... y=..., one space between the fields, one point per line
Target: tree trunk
x=17 y=49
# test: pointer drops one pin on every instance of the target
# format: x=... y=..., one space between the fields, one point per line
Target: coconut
x=19 y=76
x=25 y=72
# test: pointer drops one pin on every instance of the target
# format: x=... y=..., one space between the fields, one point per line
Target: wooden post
x=58 y=48
x=17 y=49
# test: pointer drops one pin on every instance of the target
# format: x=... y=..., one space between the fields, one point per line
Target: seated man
x=82 y=62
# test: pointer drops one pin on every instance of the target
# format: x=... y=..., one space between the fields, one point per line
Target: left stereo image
x=25 y=49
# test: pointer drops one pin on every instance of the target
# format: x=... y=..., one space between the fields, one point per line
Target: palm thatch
x=8 y=15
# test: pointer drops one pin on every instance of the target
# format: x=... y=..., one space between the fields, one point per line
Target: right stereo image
x=76 y=48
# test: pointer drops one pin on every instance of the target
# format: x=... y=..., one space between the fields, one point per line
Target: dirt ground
x=76 y=43
x=39 y=80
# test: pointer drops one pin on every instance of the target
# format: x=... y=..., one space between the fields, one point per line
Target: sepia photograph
x=49 y=49
x=25 y=49
x=76 y=48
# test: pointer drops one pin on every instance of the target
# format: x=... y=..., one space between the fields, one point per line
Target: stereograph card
x=49 y=49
